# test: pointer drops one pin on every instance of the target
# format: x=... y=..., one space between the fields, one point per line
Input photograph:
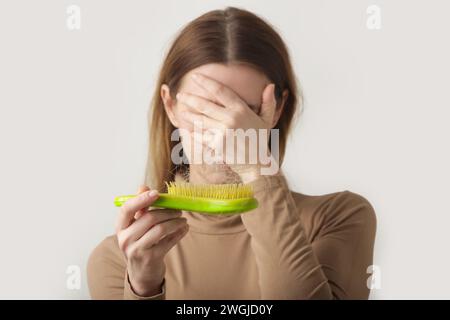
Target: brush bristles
x=212 y=191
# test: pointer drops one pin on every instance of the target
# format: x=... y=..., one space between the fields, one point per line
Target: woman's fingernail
x=152 y=193
x=142 y=188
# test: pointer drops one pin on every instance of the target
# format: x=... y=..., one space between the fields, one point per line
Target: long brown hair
x=224 y=36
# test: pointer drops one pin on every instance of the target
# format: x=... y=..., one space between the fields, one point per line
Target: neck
x=212 y=174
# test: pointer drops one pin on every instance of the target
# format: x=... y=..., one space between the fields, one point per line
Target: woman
x=230 y=69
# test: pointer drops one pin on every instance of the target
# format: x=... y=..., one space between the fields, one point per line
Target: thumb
x=269 y=104
x=141 y=189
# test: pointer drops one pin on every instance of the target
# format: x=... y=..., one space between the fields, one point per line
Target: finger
x=141 y=189
x=149 y=219
x=199 y=122
x=168 y=242
x=269 y=104
x=222 y=93
x=131 y=206
x=159 y=231
x=204 y=106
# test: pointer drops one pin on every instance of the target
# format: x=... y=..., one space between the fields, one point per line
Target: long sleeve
x=107 y=275
x=290 y=266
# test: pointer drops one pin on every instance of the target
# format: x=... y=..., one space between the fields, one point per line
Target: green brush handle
x=205 y=205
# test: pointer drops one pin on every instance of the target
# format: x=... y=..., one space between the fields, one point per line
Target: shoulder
x=107 y=250
x=337 y=211
x=106 y=257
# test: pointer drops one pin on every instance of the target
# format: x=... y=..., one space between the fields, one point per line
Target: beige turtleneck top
x=293 y=246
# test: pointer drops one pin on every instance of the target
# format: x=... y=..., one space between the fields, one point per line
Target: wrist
x=146 y=282
x=147 y=288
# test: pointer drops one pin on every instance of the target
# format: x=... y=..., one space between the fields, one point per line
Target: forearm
x=287 y=265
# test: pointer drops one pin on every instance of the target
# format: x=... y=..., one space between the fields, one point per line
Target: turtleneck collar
x=214 y=224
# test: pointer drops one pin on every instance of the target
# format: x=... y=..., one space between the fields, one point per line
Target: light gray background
x=73 y=126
